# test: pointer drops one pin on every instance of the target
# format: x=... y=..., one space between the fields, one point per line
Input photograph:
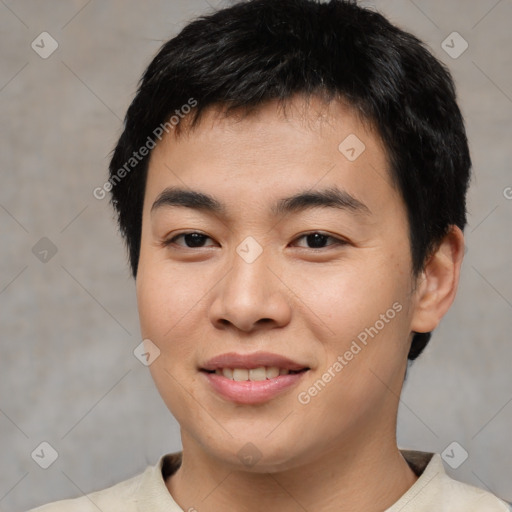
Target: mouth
x=252 y=378
x=253 y=374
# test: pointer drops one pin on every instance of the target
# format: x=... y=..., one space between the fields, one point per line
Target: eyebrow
x=331 y=197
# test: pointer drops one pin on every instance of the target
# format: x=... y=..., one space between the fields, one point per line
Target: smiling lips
x=252 y=378
x=253 y=374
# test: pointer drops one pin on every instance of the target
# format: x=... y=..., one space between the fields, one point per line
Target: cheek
x=365 y=322
x=348 y=300
x=167 y=301
x=167 y=298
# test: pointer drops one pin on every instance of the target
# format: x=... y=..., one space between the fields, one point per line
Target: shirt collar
x=155 y=497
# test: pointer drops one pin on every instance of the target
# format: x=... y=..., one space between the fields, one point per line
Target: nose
x=251 y=297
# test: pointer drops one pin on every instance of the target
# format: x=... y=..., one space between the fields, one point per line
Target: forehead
x=303 y=145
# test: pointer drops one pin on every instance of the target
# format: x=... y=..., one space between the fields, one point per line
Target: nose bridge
x=250 y=292
x=248 y=283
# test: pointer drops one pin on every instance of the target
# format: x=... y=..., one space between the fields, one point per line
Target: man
x=291 y=185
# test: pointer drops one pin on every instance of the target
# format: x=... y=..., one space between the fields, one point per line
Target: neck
x=366 y=476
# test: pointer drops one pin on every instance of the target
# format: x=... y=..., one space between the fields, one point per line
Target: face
x=290 y=273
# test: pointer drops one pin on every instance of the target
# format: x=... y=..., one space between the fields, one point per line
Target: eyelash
x=338 y=241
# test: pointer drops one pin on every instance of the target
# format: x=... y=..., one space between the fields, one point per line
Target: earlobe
x=438 y=282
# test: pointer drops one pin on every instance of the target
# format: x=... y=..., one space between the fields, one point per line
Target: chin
x=257 y=456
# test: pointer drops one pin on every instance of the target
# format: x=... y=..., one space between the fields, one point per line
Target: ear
x=437 y=284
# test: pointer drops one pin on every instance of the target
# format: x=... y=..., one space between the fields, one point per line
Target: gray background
x=69 y=325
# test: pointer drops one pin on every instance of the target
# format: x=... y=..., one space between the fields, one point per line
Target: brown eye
x=192 y=239
x=317 y=240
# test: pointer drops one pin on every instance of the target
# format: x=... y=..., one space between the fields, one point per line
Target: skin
x=306 y=302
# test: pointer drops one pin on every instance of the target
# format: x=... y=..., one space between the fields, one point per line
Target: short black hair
x=256 y=51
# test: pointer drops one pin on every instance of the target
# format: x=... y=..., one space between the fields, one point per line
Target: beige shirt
x=434 y=491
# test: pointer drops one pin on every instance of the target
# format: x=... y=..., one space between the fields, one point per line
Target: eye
x=318 y=240
x=193 y=239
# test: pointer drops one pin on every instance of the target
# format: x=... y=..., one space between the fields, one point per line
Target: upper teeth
x=261 y=373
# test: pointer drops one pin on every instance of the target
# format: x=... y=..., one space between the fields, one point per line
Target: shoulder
x=119 y=497
x=147 y=488
x=436 y=490
x=467 y=498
